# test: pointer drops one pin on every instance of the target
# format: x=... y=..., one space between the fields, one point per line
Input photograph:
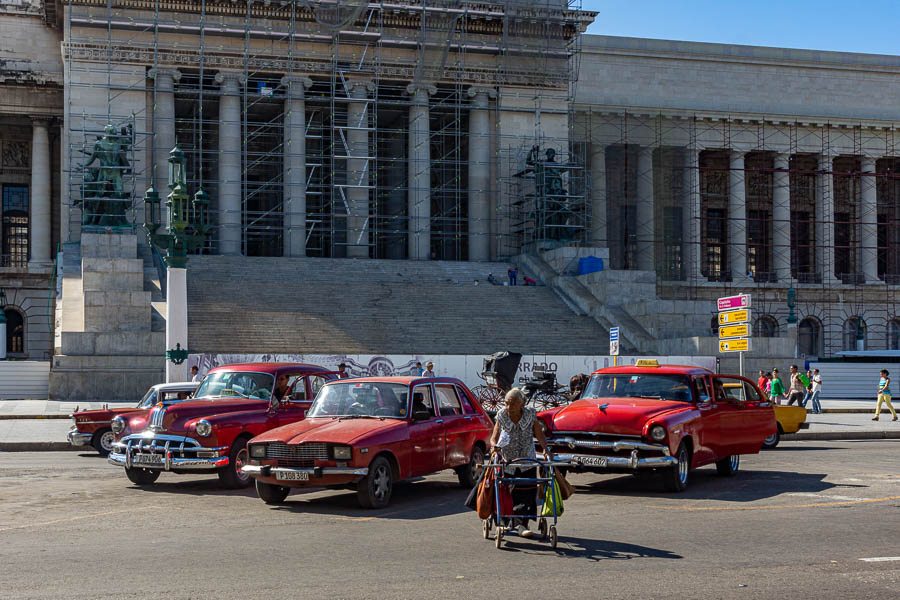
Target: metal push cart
x=548 y=469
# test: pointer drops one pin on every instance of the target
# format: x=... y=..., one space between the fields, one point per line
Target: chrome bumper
x=619 y=462
x=169 y=463
x=615 y=445
x=269 y=471
x=76 y=438
x=167 y=447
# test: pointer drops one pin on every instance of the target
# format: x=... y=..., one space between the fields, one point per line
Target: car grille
x=309 y=451
x=602 y=445
x=179 y=447
x=156 y=418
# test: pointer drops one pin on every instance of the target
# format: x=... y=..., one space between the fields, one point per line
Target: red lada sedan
x=666 y=419
x=369 y=433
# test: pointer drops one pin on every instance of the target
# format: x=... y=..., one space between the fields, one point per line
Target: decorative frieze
x=16 y=155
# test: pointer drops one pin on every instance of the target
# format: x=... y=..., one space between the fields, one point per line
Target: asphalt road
x=796 y=522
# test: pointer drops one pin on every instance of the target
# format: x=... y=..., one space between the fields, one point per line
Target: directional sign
x=732 y=331
x=733 y=302
x=613 y=334
x=733 y=317
x=740 y=345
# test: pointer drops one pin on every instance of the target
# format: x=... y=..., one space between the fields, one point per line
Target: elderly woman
x=515 y=428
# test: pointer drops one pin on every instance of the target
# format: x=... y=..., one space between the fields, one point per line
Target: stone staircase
x=282 y=305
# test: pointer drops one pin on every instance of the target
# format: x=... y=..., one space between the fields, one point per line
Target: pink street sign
x=732 y=302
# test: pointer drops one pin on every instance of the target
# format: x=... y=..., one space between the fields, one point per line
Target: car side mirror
x=421 y=415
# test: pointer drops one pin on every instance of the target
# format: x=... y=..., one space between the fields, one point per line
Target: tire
x=772 y=441
x=231 y=476
x=486 y=528
x=729 y=465
x=542 y=528
x=554 y=538
x=141 y=476
x=675 y=479
x=103 y=441
x=271 y=494
x=468 y=473
x=374 y=491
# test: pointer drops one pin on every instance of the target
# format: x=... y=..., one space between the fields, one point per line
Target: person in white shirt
x=195 y=374
x=816 y=381
x=429 y=369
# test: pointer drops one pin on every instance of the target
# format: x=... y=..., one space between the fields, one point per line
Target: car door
x=458 y=431
x=745 y=416
x=707 y=431
x=426 y=433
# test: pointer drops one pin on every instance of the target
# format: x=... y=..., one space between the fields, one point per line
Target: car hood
x=177 y=415
x=625 y=416
x=336 y=431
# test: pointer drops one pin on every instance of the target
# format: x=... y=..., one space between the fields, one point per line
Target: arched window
x=15 y=331
x=893 y=334
x=809 y=337
x=853 y=328
x=765 y=326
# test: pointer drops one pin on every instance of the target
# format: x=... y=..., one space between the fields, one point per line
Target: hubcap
x=239 y=461
x=382 y=483
x=106 y=441
x=735 y=462
x=770 y=439
x=682 y=466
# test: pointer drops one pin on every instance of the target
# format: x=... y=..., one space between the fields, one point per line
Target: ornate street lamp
x=187 y=230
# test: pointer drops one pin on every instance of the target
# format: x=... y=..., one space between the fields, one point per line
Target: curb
x=841 y=435
x=42 y=447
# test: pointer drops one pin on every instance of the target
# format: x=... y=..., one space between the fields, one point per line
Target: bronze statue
x=105 y=199
x=550 y=194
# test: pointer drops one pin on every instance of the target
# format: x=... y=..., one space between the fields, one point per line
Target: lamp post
x=2 y=324
x=188 y=230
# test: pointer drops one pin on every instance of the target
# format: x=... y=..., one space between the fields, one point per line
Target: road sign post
x=614 y=345
x=734 y=326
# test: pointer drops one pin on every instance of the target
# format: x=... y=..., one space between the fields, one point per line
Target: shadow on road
x=195 y=487
x=596 y=550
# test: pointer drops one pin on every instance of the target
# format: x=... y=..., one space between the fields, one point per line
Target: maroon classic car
x=209 y=433
x=368 y=433
x=666 y=419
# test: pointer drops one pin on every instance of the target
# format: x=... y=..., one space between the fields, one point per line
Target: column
x=419 y=198
x=599 y=234
x=869 y=221
x=230 y=178
x=40 y=194
x=691 y=243
x=176 y=320
x=646 y=215
x=358 y=168
x=163 y=127
x=295 y=164
x=825 y=219
x=737 y=218
x=781 y=217
x=479 y=173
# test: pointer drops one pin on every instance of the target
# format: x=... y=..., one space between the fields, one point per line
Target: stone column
x=781 y=217
x=163 y=128
x=646 y=215
x=230 y=177
x=825 y=219
x=176 y=320
x=599 y=234
x=295 y=164
x=479 y=173
x=691 y=245
x=869 y=221
x=737 y=218
x=419 y=199
x=40 y=195
x=358 y=167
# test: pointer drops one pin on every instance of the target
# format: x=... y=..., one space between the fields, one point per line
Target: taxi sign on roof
x=647 y=362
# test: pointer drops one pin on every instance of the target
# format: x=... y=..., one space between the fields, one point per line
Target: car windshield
x=361 y=400
x=640 y=385
x=237 y=383
x=148 y=400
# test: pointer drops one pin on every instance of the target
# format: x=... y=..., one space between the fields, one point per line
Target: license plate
x=291 y=476
x=147 y=459
x=593 y=461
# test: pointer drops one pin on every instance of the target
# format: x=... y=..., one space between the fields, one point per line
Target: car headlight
x=658 y=433
x=343 y=452
x=117 y=425
x=258 y=451
x=203 y=428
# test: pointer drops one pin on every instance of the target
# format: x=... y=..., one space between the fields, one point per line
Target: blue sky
x=871 y=26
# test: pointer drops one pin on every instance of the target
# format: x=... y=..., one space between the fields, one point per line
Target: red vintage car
x=369 y=433
x=665 y=419
x=209 y=433
x=92 y=427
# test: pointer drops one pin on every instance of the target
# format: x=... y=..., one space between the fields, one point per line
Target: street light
x=2 y=324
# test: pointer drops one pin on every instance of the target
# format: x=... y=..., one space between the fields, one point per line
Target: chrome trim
x=156 y=418
x=191 y=464
x=616 y=446
x=631 y=462
x=598 y=434
x=257 y=470
x=76 y=438
x=160 y=443
x=94 y=422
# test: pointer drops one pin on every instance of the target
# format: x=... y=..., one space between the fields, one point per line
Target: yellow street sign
x=730 y=331
x=734 y=317
x=740 y=345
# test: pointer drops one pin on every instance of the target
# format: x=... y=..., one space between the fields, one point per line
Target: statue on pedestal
x=105 y=199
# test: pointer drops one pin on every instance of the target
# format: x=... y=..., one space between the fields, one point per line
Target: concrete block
x=119 y=318
x=112 y=265
x=108 y=245
x=113 y=281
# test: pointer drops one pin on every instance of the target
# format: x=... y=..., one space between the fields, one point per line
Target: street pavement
x=809 y=520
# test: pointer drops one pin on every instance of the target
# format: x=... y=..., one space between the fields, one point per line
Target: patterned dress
x=521 y=434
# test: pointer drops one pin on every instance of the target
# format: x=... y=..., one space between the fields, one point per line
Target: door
x=746 y=416
x=707 y=431
x=426 y=433
x=458 y=427
x=296 y=400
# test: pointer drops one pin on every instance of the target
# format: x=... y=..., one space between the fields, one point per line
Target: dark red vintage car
x=369 y=433
x=665 y=419
x=92 y=427
x=209 y=433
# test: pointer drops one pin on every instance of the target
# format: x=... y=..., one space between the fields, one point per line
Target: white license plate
x=147 y=459
x=291 y=476
x=593 y=461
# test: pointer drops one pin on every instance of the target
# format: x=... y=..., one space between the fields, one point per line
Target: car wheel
x=675 y=479
x=770 y=442
x=271 y=494
x=231 y=475
x=375 y=489
x=554 y=538
x=468 y=473
x=103 y=441
x=729 y=465
x=140 y=476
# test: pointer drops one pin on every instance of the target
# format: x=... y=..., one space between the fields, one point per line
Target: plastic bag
x=552 y=493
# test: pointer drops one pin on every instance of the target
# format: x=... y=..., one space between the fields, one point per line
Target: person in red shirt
x=761 y=382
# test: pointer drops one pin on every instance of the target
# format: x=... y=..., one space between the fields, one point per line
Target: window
x=893 y=335
x=758 y=244
x=15 y=226
x=466 y=404
x=809 y=337
x=714 y=239
x=854 y=331
x=802 y=243
x=448 y=402
x=673 y=231
x=422 y=400
x=701 y=391
x=315 y=384
x=15 y=332
x=297 y=386
x=765 y=326
x=714 y=326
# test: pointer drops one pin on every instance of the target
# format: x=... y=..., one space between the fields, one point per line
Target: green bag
x=804 y=380
x=547 y=510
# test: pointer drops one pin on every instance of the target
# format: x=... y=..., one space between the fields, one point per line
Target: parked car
x=663 y=419
x=209 y=433
x=791 y=419
x=369 y=433
x=92 y=427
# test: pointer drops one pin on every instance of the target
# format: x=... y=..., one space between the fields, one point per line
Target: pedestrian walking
x=816 y=389
x=512 y=272
x=807 y=385
x=195 y=373
x=884 y=395
x=776 y=391
x=768 y=387
x=795 y=393
x=419 y=369
x=761 y=382
x=429 y=369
